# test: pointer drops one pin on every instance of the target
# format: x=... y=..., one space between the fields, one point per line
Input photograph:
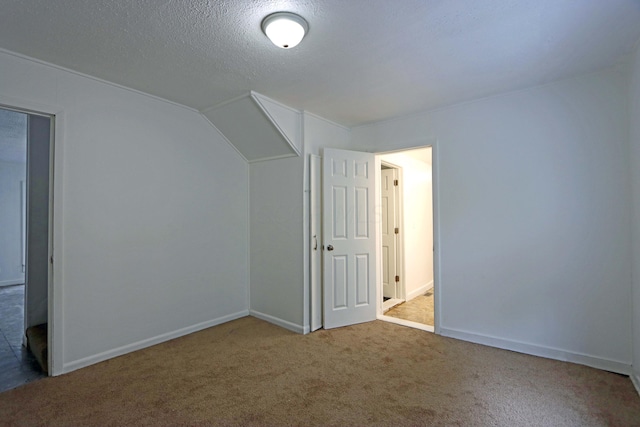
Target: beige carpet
x=250 y=373
x=418 y=309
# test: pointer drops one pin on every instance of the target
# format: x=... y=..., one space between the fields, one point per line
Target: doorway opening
x=406 y=291
x=25 y=245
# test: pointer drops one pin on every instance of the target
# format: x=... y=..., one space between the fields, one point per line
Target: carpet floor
x=251 y=373
x=418 y=309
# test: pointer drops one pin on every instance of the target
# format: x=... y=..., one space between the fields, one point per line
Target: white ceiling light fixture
x=285 y=29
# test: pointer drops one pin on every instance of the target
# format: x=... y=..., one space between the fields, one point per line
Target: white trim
x=248 y=273
x=401 y=261
x=306 y=234
x=282 y=156
x=420 y=291
x=280 y=322
x=52 y=183
x=315 y=256
x=223 y=103
x=315 y=116
x=378 y=235
x=390 y=303
x=635 y=379
x=56 y=289
x=414 y=145
x=408 y=323
x=306 y=284
x=259 y=95
x=97 y=79
x=109 y=354
x=435 y=198
x=12 y=282
x=541 y=351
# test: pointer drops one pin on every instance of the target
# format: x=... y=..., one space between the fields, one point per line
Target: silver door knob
x=330 y=247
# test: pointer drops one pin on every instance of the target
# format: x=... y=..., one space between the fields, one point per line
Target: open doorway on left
x=24 y=245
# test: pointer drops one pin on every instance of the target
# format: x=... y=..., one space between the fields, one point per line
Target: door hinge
x=51 y=259
x=395 y=182
x=397 y=230
x=397 y=278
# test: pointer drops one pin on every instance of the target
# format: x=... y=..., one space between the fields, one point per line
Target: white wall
x=417 y=233
x=634 y=157
x=11 y=222
x=277 y=276
x=534 y=216
x=152 y=215
x=320 y=133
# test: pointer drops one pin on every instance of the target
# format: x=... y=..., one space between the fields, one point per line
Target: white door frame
x=55 y=273
x=436 y=242
x=315 y=243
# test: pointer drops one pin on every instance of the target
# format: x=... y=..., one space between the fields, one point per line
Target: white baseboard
x=542 y=351
x=109 y=354
x=12 y=282
x=420 y=291
x=280 y=322
x=390 y=303
x=409 y=323
x=635 y=379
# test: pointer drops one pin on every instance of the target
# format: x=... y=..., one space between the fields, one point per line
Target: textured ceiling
x=363 y=60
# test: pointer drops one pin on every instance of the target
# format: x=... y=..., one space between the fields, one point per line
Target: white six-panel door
x=388 y=224
x=349 y=278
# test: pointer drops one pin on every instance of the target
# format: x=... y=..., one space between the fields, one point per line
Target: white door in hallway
x=389 y=237
x=349 y=277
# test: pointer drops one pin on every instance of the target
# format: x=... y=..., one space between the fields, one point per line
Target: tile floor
x=17 y=364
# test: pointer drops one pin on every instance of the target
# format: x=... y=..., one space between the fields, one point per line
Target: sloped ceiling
x=363 y=60
x=258 y=127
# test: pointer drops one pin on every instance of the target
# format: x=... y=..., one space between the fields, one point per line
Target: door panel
x=349 y=240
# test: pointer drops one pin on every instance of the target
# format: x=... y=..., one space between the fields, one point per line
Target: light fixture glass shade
x=285 y=29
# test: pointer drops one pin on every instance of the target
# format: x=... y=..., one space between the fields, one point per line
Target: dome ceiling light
x=285 y=29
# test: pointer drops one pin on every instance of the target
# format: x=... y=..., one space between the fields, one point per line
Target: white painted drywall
x=320 y=133
x=277 y=261
x=416 y=230
x=154 y=224
x=534 y=216
x=634 y=156
x=11 y=174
